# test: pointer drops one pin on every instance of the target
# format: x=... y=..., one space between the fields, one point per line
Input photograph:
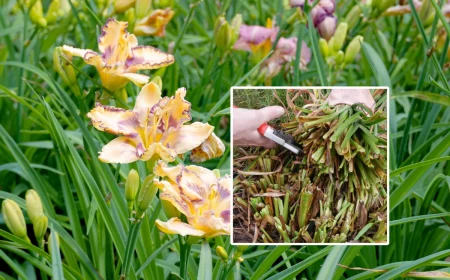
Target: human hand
x=246 y=123
x=351 y=96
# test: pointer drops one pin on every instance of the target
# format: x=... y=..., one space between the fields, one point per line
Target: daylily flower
x=155 y=23
x=198 y=194
x=284 y=53
x=154 y=129
x=256 y=39
x=120 y=56
x=322 y=16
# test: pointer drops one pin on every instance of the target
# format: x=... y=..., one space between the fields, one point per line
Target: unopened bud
x=240 y=251
x=327 y=27
x=40 y=227
x=240 y=259
x=130 y=16
x=53 y=12
x=146 y=195
x=37 y=14
x=34 y=205
x=222 y=253
x=353 y=49
x=223 y=34
x=62 y=65
x=353 y=16
x=170 y=210
x=131 y=188
x=236 y=23
x=385 y=4
x=426 y=13
x=143 y=8
x=163 y=3
x=55 y=235
x=14 y=219
x=339 y=57
x=340 y=35
x=323 y=46
x=121 y=6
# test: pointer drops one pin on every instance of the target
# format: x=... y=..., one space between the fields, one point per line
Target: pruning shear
x=279 y=137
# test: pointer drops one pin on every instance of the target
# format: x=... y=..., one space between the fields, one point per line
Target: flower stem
x=185 y=249
x=129 y=251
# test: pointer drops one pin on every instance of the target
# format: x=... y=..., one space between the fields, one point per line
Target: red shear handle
x=262 y=129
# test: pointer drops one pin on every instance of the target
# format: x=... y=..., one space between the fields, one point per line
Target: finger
x=269 y=113
x=351 y=96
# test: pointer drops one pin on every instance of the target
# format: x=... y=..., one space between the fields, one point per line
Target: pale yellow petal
x=211 y=148
x=212 y=225
x=155 y=23
x=121 y=150
x=112 y=80
x=176 y=226
x=114 y=120
x=170 y=192
x=180 y=110
x=187 y=137
x=113 y=41
x=89 y=56
x=147 y=57
x=138 y=79
x=149 y=95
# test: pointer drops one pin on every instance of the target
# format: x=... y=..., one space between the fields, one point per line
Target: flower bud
x=323 y=46
x=426 y=13
x=222 y=253
x=353 y=49
x=50 y=241
x=353 y=15
x=40 y=227
x=236 y=23
x=146 y=195
x=170 y=210
x=131 y=185
x=223 y=34
x=339 y=57
x=239 y=251
x=131 y=188
x=143 y=8
x=121 y=6
x=61 y=64
x=14 y=219
x=327 y=27
x=34 y=205
x=37 y=14
x=53 y=12
x=385 y=4
x=130 y=16
x=240 y=259
x=340 y=35
x=163 y=3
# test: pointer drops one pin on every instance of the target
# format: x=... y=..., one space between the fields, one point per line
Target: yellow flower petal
x=158 y=149
x=114 y=120
x=176 y=226
x=188 y=137
x=170 y=192
x=212 y=225
x=149 y=95
x=121 y=150
x=155 y=23
x=138 y=79
x=211 y=148
x=147 y=57
x=113 y=42
x=179 y=109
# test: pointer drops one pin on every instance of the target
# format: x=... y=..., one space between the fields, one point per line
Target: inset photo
x=310 y=165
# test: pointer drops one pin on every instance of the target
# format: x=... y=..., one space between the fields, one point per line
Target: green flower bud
x=170 y=210
x=339 y=57
x=323 y=45
x=34 y=205
x=146 y=195
x=340 y=35
x=49 y=244
x=385 y=4
x=426 y=13
x=131 y=185
x=61 y=64
x=330 y=46
x=236 y=23
x=353 y=15
x=222 y=253
x=353 y=49
x=223 y=34
x=14 y=219
x=37 y=14
x=143 y=8
x=40 y=227
x=130 y=16
x=131 y=188
x=239 y=251
x=164 y=3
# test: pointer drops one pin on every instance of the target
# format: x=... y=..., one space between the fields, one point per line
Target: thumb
x=269 y=113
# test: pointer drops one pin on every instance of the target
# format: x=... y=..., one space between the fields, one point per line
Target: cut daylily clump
x=334 y=192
